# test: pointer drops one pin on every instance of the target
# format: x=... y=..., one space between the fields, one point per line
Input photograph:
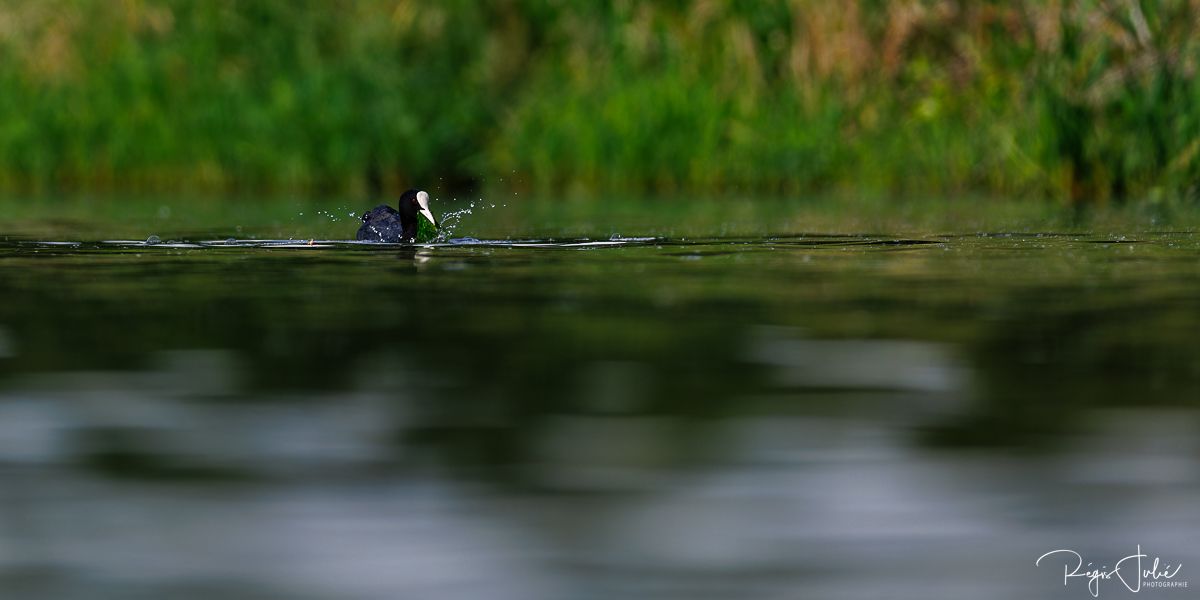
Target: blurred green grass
x=1081 y=101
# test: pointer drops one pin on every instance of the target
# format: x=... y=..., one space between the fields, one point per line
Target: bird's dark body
x=400 y=225
x=385 y=224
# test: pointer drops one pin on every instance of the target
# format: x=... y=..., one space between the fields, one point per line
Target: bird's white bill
x=423 y=201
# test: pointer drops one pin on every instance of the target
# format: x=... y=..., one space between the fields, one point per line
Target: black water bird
x=386 y=224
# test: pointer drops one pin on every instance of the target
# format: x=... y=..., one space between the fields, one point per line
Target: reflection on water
x=799 y=416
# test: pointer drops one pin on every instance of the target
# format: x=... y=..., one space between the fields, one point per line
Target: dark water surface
x=792 y=416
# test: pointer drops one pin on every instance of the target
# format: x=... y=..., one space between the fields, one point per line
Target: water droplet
x=153 y=239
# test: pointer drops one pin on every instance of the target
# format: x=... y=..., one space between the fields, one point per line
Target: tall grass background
x=1079 y=101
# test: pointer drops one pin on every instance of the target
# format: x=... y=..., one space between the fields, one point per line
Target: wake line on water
x=357 y=244
x=615 y=242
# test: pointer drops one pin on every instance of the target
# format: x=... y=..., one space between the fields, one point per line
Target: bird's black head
x=416 y=202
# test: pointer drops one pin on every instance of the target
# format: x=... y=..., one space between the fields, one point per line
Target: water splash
x=453 y=219
x=334 y=214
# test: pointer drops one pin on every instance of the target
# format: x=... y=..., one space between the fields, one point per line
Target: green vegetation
x=1084 y=101
x=426 y=231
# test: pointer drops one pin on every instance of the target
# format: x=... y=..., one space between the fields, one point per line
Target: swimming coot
x=405 y=226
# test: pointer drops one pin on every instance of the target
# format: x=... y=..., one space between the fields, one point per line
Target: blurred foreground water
x=793 y=416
